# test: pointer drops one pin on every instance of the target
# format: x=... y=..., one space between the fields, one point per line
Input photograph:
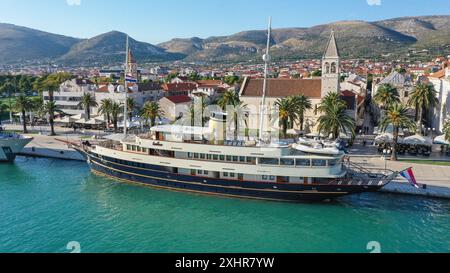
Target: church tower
x=132 y=69
x=331 y=67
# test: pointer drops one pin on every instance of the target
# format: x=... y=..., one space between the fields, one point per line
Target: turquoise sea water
x=44 y=204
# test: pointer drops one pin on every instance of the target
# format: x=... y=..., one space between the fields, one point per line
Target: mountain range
x=356 y=39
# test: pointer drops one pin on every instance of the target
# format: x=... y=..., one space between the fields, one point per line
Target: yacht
x=182 y=158
x=11 y=144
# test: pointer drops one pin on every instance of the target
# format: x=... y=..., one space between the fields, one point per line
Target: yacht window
x=319 y=163
x=196 y=155
x=287 y=162
x=215 y=157
x=199 y=171
x=268 y=161
x=222 y=158
x=189 y=155
x=264 y=177
x=144 y=150
x=272 y=177
x=232 y=175
x=128 y=147
x=235 y=158
x=202 y=156
x=209 y=157
x=228 y=157
x=303 y=162
x=251 y=159
x=205 y=172
x=242 y=159
x=225 y=174
x=332 y=162
x=133 y=148
x=138 y=148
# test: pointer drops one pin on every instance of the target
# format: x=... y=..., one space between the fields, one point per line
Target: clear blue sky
x=157 y=21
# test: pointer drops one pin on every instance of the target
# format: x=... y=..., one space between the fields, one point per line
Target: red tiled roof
x=284 y=87
x=179 y=99
x=179 y=87
x=210 y=82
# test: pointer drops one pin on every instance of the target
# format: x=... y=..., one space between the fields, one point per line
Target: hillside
x=110 y=48
x=19 y=44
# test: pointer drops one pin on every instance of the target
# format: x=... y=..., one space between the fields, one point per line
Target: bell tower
x=331 y=67
x=132 y=69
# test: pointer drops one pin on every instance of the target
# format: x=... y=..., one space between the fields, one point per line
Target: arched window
x=327 y=68
x=333 y=68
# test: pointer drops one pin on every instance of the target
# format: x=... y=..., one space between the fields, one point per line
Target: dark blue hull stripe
x=256 y=190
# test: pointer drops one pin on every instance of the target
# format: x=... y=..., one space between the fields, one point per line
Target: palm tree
x=447 y=131
x=285 y=111
x=131 y=106
x=116 y=109
x=333 y=98
x=22 y=105
x=386 y=95
x=335 y=120
x=50 y=108
x=423 y=97
x=105 y=109
x=151 y=111
x=397 y=115
x=228 y=98
x=88 y=101
x=302 y=104
x=239 y=114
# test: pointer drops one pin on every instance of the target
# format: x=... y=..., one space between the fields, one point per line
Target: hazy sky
x=157 y=21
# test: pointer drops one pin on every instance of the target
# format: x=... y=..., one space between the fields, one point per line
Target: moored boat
x=11 y=144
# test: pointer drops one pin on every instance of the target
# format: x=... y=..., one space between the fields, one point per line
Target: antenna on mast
x=266 y=59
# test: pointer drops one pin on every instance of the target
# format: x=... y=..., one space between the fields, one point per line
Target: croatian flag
x=130 y=78
x=409 y=175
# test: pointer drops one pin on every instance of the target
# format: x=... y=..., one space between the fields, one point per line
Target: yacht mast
x=125 y=107
x=266 y=59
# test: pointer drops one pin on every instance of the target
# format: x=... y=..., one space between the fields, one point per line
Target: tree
x=285 y=110
x=333 y=98
x=9 y=86
x=105 y=109
x=22 y=105
x=151 y=111
x=386 y=96
x=50 y=109
x=447 y=130
x=335 y=121
x=239 y=114
x=423 y=97
x=116 y=109
x=131 y=106
x=88 y=101
x=397 y=115
x=228 y=98
x=302 y=104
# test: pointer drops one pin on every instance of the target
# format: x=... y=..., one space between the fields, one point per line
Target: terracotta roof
x=179 y=86
x=103 y=89
x=284 y=87
x=179 y=99
x=210 y=82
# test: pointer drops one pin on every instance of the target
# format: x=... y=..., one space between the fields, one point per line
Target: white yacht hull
x=10 y=147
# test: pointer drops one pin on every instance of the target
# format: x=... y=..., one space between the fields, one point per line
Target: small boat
x=318 y=148
x=11 y=145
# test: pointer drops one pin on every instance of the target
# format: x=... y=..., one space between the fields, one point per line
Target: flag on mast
x=408 y=174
